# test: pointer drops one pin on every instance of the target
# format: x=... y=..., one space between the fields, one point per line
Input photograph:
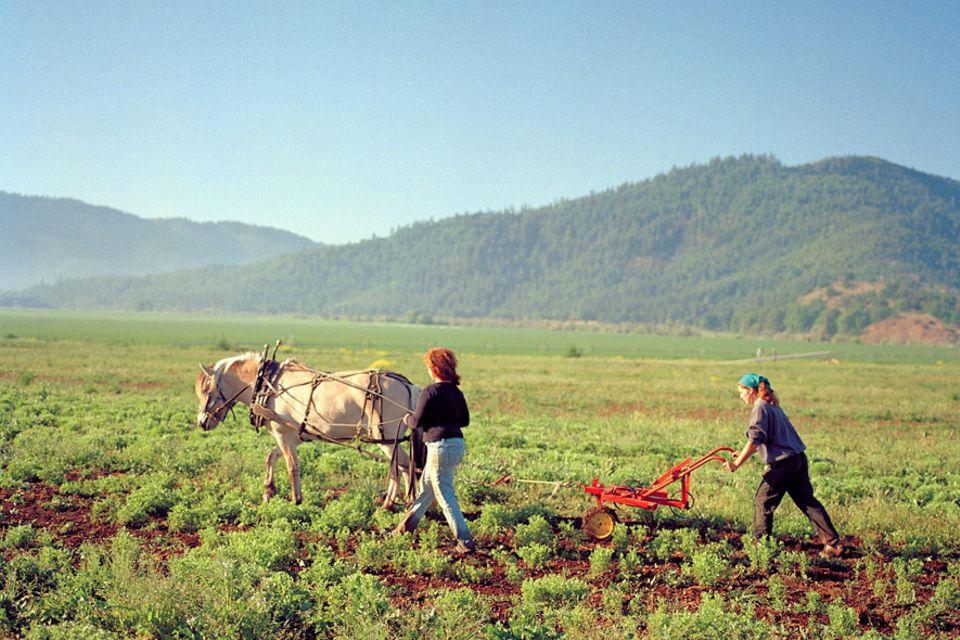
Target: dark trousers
x=790 y=476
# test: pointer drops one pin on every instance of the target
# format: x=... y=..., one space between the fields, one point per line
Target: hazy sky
x=341 y=120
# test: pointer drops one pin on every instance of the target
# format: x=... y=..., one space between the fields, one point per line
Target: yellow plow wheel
x=599 y=522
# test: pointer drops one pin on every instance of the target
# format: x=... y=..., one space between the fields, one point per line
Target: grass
x=122 y=519
x=251 y=333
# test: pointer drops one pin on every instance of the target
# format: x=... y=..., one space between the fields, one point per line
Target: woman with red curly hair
x=441 y=413
x=781 y=449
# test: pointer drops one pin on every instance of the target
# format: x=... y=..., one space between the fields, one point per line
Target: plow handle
x=710 y=457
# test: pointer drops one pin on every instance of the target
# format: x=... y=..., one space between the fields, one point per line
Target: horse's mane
x=226 y=363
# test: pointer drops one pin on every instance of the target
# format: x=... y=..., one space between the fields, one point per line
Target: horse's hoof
x=387 y=505
x=267 y=495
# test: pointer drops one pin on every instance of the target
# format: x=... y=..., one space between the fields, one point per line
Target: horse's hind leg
x=396 y=481
x=269 y=489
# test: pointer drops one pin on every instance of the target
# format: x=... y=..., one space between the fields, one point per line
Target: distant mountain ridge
x=737 y=243
x=46 y=239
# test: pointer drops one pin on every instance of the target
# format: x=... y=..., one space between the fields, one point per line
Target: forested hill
x=736 y=243
x=44 y=239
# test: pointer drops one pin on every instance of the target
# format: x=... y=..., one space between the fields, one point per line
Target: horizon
x=343 y=122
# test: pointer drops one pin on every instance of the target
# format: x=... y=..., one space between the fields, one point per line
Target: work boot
x=831 y=551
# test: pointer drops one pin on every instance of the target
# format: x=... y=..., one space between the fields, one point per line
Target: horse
x=298 y=404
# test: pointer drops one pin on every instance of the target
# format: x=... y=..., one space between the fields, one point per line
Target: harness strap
x=267 y=374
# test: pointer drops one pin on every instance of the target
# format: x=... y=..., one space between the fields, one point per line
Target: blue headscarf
x=752 y=381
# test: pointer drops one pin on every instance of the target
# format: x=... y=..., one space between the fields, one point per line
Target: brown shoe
x=465 y=546
x=405 y=525
x=831 y=551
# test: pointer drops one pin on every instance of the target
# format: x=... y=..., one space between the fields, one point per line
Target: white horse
x=297 y=404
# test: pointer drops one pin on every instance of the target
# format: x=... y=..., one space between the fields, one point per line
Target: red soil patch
x=911 y=328
x=68 y=520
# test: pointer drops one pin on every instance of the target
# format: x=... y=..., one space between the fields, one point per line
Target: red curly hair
x=442 y=364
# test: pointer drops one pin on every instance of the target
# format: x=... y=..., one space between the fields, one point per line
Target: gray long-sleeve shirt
x=773 y=433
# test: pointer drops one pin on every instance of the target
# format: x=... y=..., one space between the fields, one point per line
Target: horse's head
x=213 y=404
x=221 y=385
x=216 y=394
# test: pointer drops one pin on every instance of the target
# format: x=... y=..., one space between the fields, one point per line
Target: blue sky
x=343 y=120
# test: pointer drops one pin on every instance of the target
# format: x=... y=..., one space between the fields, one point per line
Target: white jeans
x=436 y=484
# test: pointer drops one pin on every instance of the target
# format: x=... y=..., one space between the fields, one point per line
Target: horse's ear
x=207 y=371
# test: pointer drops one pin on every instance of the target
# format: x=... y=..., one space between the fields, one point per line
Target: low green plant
x=600 y=560
x=474 y=574
x=153 y=498
x=536 y=531
x=630 y=562
x=905 y=572
x=570 y=533
x=777 y=592
x=351 y=511
x=844 y=622
x=713 y=618
x=535 y=555
x=460 y=613
x=796 y=563
x=669 y=542
x=494 y=518
x=812 y=602
x=620 y=540
x=357 y=607
x=426 y=562
x=553 y=591
x=761 y=553
x=19 y=537
x=707 y=564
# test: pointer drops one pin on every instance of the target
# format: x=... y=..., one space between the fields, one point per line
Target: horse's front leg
x=269 y=489
x=287 y=443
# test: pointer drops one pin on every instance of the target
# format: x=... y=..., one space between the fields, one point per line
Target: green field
x=121 y=519
x=253 y=332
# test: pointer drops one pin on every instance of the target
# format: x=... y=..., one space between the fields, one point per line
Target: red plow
x=600 y=520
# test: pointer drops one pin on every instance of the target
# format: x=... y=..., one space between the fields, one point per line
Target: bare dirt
x=911 y=329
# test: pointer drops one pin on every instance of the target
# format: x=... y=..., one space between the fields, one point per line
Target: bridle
x=218 y=412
